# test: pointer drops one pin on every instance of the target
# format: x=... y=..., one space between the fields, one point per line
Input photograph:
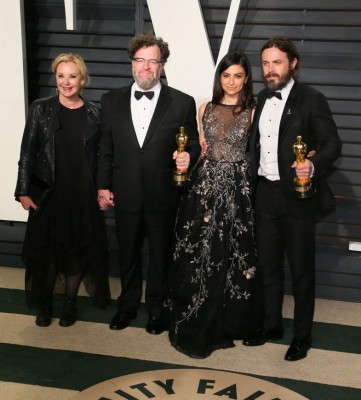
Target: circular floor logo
x=187 y=384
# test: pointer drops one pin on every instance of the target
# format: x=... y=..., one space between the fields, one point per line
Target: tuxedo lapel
x=260 y=104
x=163 y=103
x=124 y=115
x=289 y=110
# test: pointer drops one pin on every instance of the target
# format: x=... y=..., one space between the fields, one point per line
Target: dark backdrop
x=328 y=35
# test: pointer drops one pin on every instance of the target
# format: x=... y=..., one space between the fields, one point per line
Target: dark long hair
x=246 y=99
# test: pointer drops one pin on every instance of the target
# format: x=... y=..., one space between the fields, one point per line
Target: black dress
x=214 y=264
x=68 y=236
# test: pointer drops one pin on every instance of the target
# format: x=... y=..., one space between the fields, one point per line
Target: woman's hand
x=204 y=148
x=27 y=203
x=311 y=153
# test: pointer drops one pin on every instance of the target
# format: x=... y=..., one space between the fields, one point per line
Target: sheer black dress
x=214 y=260
x=67 y=236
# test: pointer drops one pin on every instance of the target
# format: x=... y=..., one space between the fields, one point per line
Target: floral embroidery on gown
x=214 y=257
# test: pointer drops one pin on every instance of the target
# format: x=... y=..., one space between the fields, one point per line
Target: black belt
x=268 y=182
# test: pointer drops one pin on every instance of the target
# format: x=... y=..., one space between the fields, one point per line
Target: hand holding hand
x=105 y=199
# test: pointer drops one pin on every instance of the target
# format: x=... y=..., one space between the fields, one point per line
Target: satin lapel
x=163 y=103
x=289 y=110
x=259 y=108
x=260 y=103
x=124 y=116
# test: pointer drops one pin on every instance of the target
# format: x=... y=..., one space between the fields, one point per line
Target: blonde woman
x=65 y=230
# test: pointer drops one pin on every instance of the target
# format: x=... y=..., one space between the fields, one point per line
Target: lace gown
x=214 y=258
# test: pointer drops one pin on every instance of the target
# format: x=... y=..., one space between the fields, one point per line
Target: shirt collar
x=286 y=90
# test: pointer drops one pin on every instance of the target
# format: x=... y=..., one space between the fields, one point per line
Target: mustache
x=272 y=75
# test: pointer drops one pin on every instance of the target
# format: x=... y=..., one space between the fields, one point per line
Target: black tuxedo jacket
x=306 y=113
x=141 y=177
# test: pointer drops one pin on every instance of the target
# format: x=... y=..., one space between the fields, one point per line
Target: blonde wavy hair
x=77 y=60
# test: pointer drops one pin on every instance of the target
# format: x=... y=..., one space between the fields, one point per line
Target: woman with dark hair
x=65 y=232
x=214 y=258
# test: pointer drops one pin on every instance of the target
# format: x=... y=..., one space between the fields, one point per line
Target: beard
x=147 y=84
x=273 y=85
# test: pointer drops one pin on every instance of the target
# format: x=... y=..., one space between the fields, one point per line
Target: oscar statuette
x=303 y=188
x=180 y=175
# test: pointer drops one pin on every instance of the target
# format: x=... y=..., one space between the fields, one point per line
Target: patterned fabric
x=214 y=258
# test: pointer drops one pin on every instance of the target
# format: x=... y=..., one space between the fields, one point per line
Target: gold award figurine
x=180 y=175
x=303 y=188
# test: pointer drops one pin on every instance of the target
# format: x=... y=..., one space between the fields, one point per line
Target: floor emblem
x=187 y=384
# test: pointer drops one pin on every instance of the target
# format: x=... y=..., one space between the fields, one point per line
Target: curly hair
x=147 y=40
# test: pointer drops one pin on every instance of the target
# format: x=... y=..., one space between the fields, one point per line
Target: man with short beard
x=286 y=109
x=136 y=161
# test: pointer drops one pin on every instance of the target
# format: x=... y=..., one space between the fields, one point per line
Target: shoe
x=155 y=325
x=121 y=320
x=69 y=314
x=261 y=337
x=298 y=350
x=43 y=318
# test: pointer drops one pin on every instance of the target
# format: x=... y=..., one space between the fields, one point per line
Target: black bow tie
x=138 y=94
x=275 y=94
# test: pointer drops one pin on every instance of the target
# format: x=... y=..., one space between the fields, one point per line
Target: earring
x=57 y=91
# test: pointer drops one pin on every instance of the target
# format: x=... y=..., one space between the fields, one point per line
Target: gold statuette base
x=303 y=189
x=179 y=178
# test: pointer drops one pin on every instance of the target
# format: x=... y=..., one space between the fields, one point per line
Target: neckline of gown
x=225 y=105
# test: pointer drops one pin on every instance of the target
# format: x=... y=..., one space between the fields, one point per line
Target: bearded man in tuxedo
x=286 y=109
x=137 y=157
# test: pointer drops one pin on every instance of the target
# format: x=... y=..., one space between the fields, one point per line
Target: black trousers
x=131 y=229
x=278 y=232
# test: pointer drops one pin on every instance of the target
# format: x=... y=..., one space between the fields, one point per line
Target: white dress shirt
x=269 y=124
x=142 y=110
